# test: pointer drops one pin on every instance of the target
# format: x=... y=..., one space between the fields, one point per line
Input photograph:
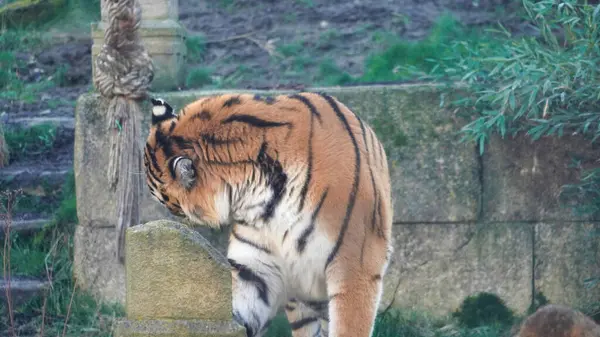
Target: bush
x=198 y=78
x=483 y=309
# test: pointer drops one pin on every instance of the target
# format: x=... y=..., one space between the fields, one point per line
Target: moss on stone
x=22 y=13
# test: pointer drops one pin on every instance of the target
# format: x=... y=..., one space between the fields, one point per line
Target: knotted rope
x=123 y=73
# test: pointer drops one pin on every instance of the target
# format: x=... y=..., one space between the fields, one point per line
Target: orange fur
x=331 y=163
x=558 y=321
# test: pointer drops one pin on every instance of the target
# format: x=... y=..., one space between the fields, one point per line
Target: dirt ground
x=262 y=43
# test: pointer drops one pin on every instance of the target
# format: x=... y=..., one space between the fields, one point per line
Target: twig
x=232 y=38
x=69 y=308
x=269 y=48
x=7 y=217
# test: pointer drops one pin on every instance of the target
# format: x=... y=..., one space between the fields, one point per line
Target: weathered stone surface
x=435 y=266
x=435 y=178
x=96 y=204
x=95 y=264
x=174 y=272
x=178 y=328
x=522 y=180
x=566 y=254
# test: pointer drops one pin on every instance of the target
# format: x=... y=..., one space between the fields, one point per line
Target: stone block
x=566 y=254
x=177 y=285
x=522 y=180
x=174 y=272
x=96 y=204
x=164 y=41
x=95 y=263
x=178 y=328
x=435 y=266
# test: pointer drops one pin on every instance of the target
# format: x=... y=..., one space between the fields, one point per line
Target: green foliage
x=198 y=78
x=483 y=309
x=48 y=254
x=404 y=60
x=537 y=85
x=399 y=323
x=330 y=74
x=30 y=142
x=539 y=301
x=196 y=46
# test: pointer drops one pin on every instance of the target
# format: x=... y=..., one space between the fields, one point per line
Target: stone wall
x=464 y=223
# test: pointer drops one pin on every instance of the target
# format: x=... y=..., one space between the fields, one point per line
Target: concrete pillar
x=177 y=284
x=162 y=36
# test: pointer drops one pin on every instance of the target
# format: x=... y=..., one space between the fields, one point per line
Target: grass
x=30 y=142
x=64 y=310
x=400 y=323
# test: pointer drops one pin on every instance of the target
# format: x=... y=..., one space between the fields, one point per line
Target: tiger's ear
x=161 y=110
x=182 y=168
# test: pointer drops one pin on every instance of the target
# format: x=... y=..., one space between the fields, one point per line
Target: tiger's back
x=305 y=185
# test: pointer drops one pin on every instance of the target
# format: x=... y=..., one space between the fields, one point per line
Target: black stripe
x=254 y=121
x=213 y=140
x=299 y=324
x=276 y=178
x=248 y=275
x=317 y=305
x=202 y=115
x=250 y=243
x=352 y=197
x=313 y=112
x=301 y=244
x=172 y=127
x=153 y=160
x=307 y=102
x=163 y=142
x=232 y=101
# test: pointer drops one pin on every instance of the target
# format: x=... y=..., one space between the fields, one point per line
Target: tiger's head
x=174 y=170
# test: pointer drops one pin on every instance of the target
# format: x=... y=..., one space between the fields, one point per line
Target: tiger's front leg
x=258 y=288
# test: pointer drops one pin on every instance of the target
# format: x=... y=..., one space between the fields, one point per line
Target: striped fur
x=304 y=184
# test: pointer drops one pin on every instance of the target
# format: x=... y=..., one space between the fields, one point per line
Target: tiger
x=303 y=185
x=554 y=320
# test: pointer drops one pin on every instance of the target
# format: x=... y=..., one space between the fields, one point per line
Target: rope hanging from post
x=123 y=73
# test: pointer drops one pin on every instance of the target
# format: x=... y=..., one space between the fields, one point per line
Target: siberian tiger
x=304 y=184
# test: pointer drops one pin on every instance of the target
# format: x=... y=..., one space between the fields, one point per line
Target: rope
x=123 y=73
x=4 y=154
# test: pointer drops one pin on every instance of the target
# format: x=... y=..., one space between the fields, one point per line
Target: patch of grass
x=198 y=78
x=30 y=142
x=330 y=74
x=404 y=60
x=195 y=48
x=400 y=323
x=291 y=49
x=49 y=253
x=483 y=309
x=306 y=3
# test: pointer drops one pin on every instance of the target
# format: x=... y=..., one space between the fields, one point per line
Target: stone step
x=25 y=226
x=22 y=289
x=43 y=181
x=63 y=122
